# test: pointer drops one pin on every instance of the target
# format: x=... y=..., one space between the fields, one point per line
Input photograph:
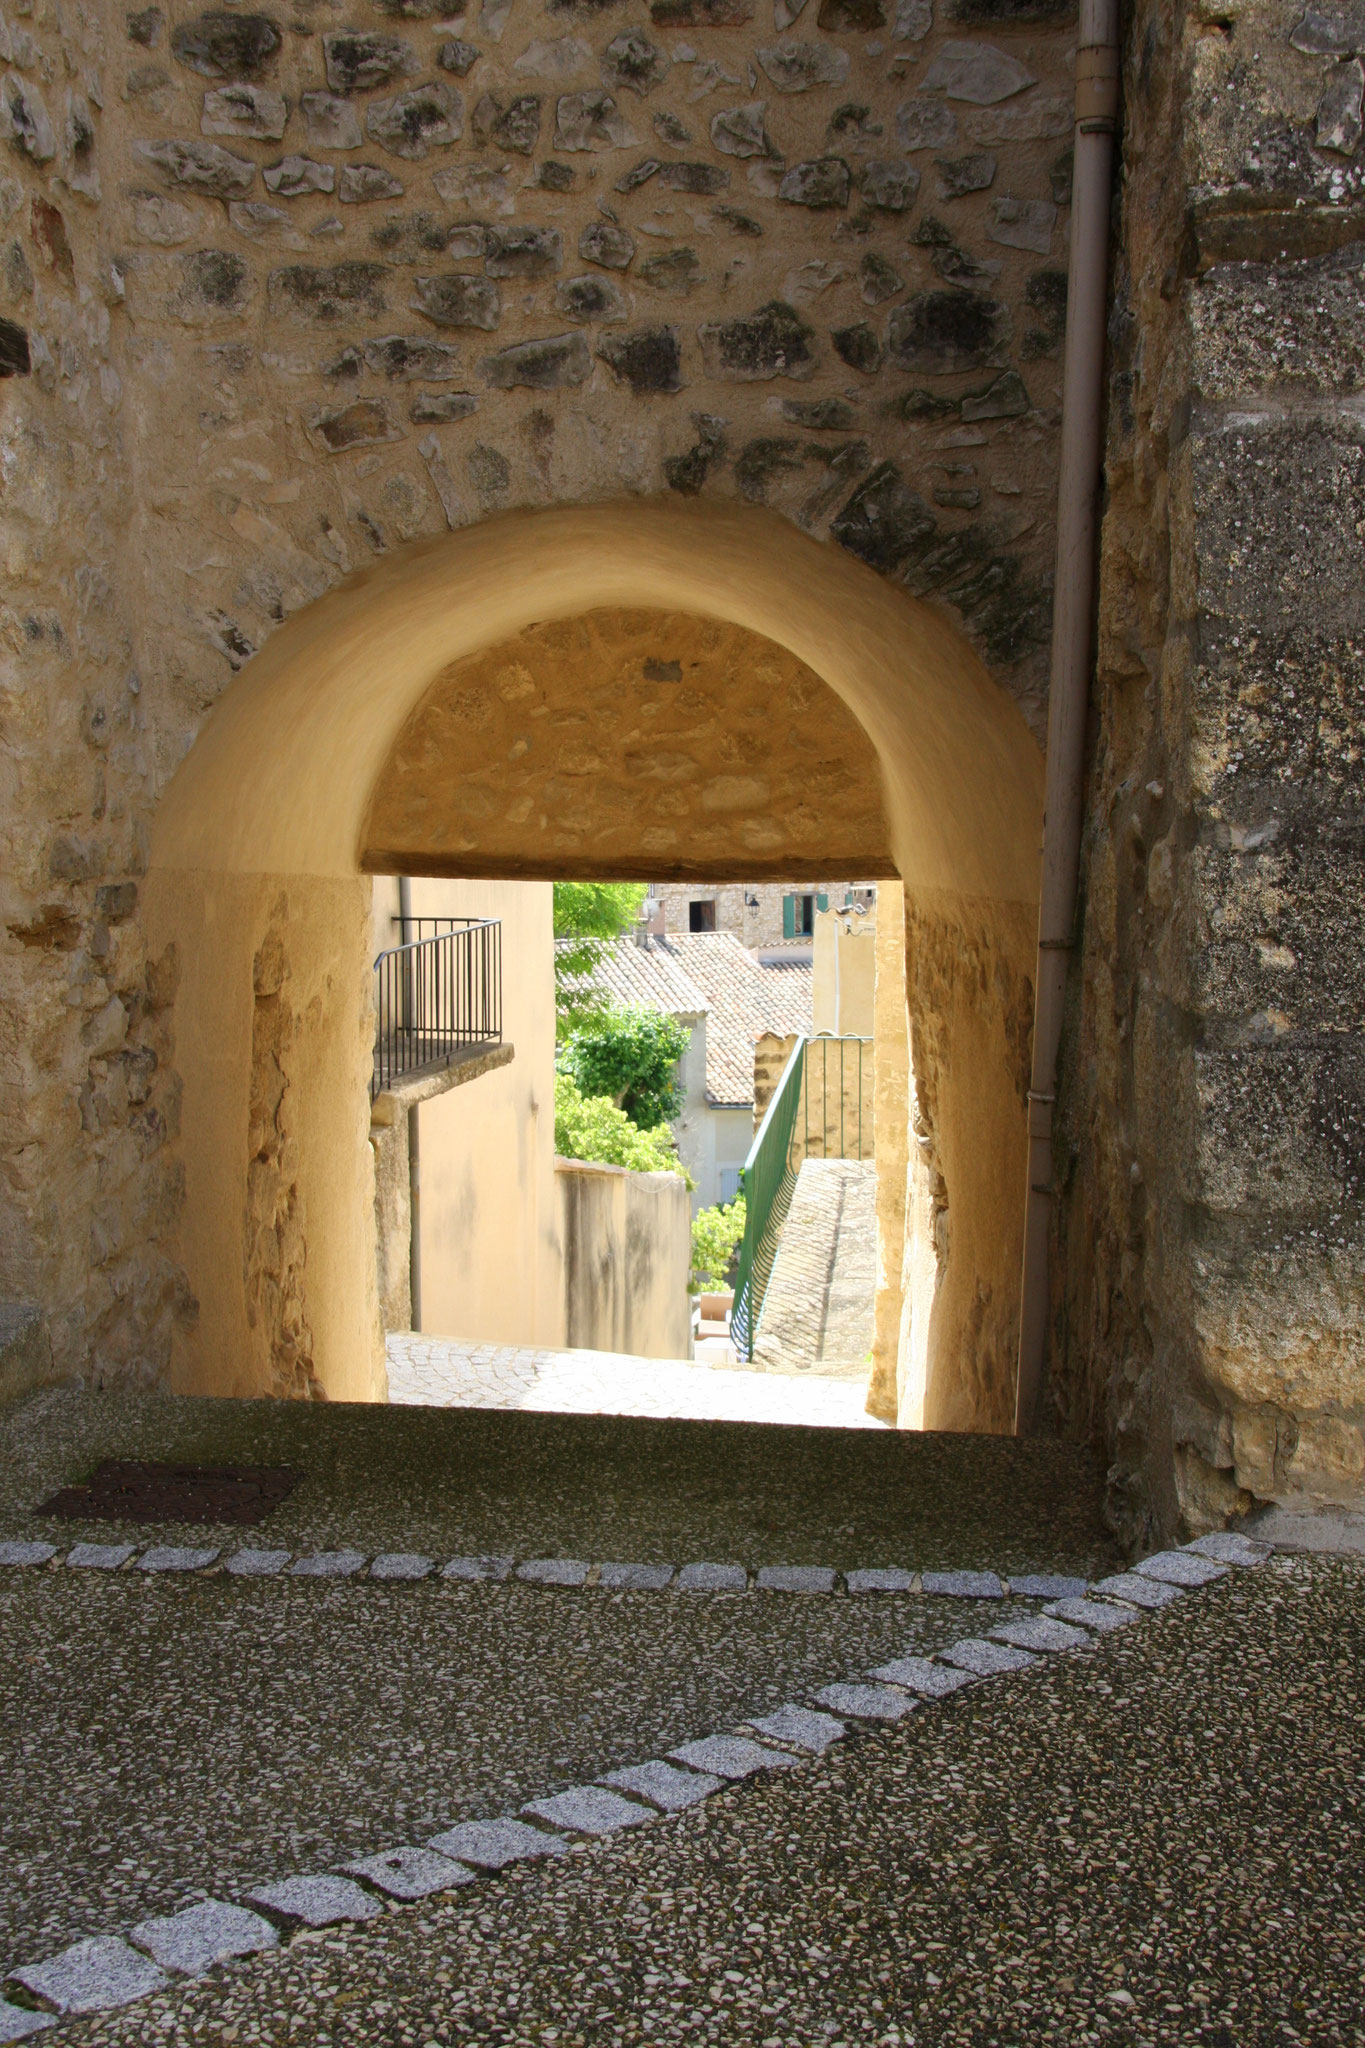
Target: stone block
x=964 y=1585
x=821 y=184
x=592 y=298
x=221 y=45
x=979 y=73
x=799 y=1728
x=729 y=1756
x=27 y=1553
x=477 y=1568
x=606 y=243
x=256 y=1564
x=554 y=1571
x=923 y=123
x=1022 y=224
x=796 y=1578
x=322 y=296
x=590 y=121
x=588 y=1810
x=99 y=1557
x=1099 y=1615
x=361 y=183
x=713 y=1578
x=647 y=360
x=249 y=111
x=328 y=1564
x=363 y=424
x=401 y=1564
x=939 y=333
x=492 y=1844
x=1227 y=1546
x=410 y=1873
x=985 y=1660
x=359 y=62
x=773 y=342
x=16 y=2024
x=1138 y=1592
x=415 y=122
x=959 y=176
x=1180 y=1568
x=331 y=122
x=664 y=1785
x=92 y=1976
x=866 y=1702
x=203 y=167
x=889 y=183
x=295 y=176
x=524 y=252
x=455 y=300
x=1046 y=1586
x=1042 y=1633
x=918 y=1674
x=317 y=1901
x=170 y=1557
x=632 y=62
x=640 y=1577
x=191 y=1942
x=888 y=1579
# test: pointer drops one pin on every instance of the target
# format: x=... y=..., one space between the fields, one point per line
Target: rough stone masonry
x=286 y=290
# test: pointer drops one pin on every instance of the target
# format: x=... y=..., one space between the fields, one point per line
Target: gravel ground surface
x=1158 y=1842
x=449 y=1480
x=159 y=1737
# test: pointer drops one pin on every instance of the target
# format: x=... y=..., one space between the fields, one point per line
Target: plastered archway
x=255 y=878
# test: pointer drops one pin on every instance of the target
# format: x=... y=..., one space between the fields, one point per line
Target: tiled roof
x=744 y=998
x=650 y=980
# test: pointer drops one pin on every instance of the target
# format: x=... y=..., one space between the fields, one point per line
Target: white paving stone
x=256 y=1564
x=713 y=1578
x=917 y=1674
x=866 y=1702
x=401 y=1564
x=1046 y=1586
x=588 y=1810
x=983 y=1659
x=491 y=1844
x=1100 y=1615
x=664 y=1785
x=730 y=1756
x=649 y=1578
x=26 y=1553
x=964 y=1585
x=881 y=1579
x=1043 y=1633
x=411 y=1873
x=319 y=1901
x=17 y=2025
x=796 y=1578
x=800 y=1728
x=92 y=1976
x=1180 y=1568
x=99 y=1557
x=1137 y=1592
x=1227 y=1546
x=170 y=1557
x=328 y=1564
x=193 y=1941
x=477 y=1568
x=554 y=1571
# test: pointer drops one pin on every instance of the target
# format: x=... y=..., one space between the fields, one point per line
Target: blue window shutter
x=822 y=901
x=789 y=917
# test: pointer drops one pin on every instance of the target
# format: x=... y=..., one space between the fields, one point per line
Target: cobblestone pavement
x=444 y=1372
x=818 y=1312
x=1152 y=1842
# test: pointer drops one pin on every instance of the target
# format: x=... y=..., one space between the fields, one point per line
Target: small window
x=729 y=1182
x=701 y=917
x=798 y=917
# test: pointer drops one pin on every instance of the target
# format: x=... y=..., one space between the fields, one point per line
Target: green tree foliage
x=716 y=1236
x=592 y=1127
x=588 y=916
x=630 y=1055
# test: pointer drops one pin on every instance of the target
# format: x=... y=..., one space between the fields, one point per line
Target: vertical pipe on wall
x=414 y=1136
x=1097 y=99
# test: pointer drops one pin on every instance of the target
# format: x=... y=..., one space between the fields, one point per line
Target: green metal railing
x=767 y=1180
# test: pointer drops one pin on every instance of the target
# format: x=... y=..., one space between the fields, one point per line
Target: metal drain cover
x=139 y=1490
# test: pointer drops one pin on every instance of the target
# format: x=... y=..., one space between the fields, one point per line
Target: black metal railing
x=437 y=995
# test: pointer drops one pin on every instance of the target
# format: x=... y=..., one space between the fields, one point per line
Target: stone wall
x=1210 y=1322
x=627 y=1259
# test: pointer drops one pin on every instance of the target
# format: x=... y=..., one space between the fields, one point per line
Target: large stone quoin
x=344 y=362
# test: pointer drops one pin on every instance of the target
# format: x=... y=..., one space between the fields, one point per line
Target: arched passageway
x=317 y=763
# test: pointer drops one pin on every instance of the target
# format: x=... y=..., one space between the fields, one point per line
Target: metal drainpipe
x=1097 y=103
x=414 y=1144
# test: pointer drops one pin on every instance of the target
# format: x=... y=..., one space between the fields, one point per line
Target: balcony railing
x=436 y=996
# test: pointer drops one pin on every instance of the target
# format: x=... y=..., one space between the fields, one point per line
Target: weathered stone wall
x=627 y=1259
x=751 y=910
x=1210 y=1322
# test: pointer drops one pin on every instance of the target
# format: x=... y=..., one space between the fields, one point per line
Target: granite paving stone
x=985 y=1660
x=919 y=1674
x=866 y=1702
x=730 y=1756
x=256 y=1564
x=664 y=1785
x=796 y=1578
x=99 y=1557
x=1138 y=1592
x=554 y=1571
x=1042 y=1632
x=410 y=1873
x=27 y=1553
x=477 y=1568
x=328 y=1564
x=194 y=1940
x=1100 y=1615
x=880 y=1579
x=92 y=1975
x=317 y=1900
x=964 y=1585
x=173 y=1557
x=1179 y=1568
x=713 y=1578
x=1229 y=1546
x=401 y=1564
x=649 y=1578
x=587 y=1810
x=493 y=1844
x=16 y=2024
x=800 y=1728
x=1046 y=1586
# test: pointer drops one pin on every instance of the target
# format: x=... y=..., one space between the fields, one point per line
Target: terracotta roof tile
x=744 y=998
